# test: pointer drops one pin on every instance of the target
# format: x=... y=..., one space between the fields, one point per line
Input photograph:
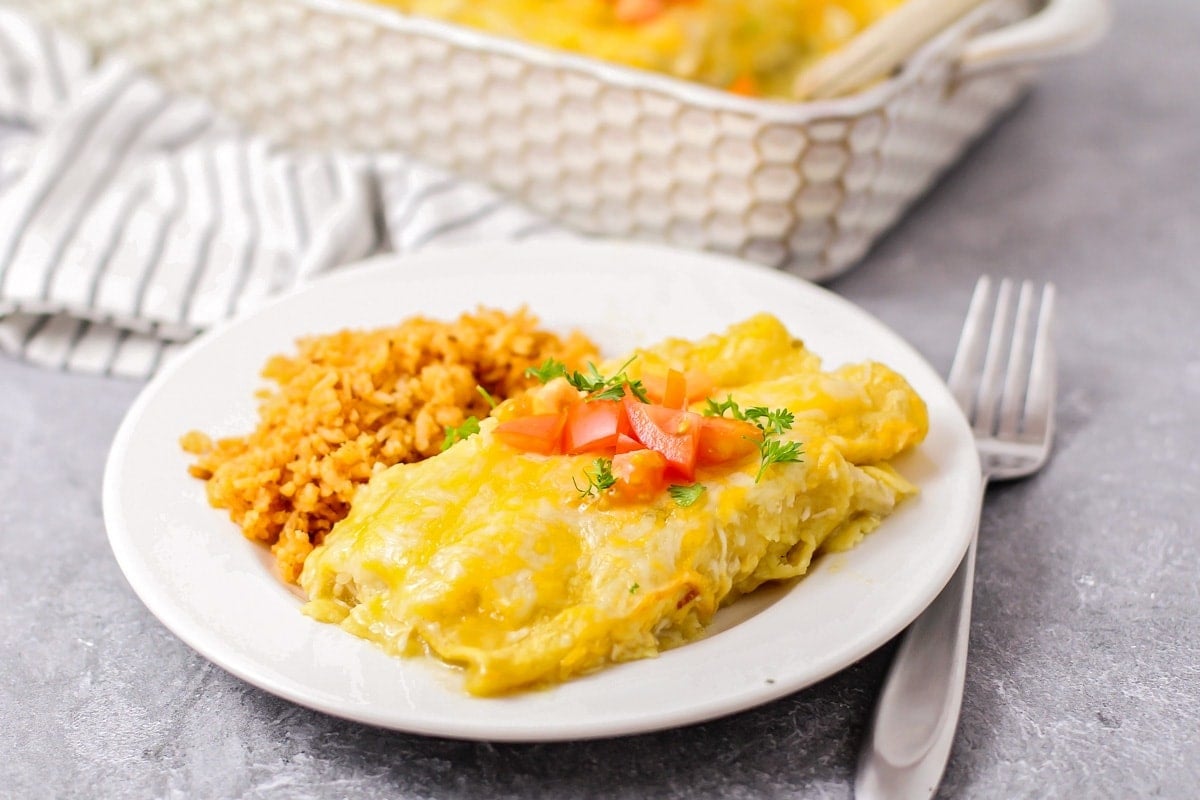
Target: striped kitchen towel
x=131 y=218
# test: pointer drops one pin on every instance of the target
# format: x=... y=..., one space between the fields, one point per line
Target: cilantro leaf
x=599 y=478
x=600 y=387
x=549 y=369
x=590 y=381
x=770 y=421
x=638 y=390
x=685 y=496
x=610 y=393
x=714 y=409
x=455 y=435
x=774 y=451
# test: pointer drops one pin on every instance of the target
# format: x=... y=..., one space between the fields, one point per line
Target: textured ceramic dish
x=217 y=591
x=603 y=148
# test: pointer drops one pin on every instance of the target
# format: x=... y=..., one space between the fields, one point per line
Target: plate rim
x=141 y=581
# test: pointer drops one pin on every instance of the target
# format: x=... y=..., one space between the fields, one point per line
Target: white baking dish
x=604 y=148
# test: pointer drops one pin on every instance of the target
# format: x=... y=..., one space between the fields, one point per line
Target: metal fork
x=1004 y=379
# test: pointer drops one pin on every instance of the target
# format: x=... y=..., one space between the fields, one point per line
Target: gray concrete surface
x=1084 y=680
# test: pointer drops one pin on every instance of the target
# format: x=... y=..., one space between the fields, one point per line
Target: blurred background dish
x=604 y=148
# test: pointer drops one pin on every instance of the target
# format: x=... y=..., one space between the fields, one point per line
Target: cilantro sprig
x=714 y=409
x=547 y=371
x=591 y=382
x=774 y=451
x=470 y=426
x=599 y=478
x=455 y=434
x=772 y=422
x=685 y=496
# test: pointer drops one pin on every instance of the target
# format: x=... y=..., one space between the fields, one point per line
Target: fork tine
x=972 y=345
x=991 y=382
x=1016 y=378
x=1039 y=398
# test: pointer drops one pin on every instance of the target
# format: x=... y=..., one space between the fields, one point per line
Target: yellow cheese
x=757 y=46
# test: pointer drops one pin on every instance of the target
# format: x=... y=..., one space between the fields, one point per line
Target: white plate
x=216 y=591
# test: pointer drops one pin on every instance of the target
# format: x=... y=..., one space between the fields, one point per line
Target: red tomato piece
x=594 y=426
x=675 y=392
x=696 y=386
x=669 y=431
x=723 y=440
x=640 y=475
x=537 y=433
x=638 y=10
x=746 y=86
x=627 y=444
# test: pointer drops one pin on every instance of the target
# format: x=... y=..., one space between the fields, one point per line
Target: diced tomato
x=594 y=426
x=675 y=393
x=627 y=444
x=538 y=433
x=746 y=86
x=638 y=10
x=696 y=386
x=723 y=440
x=640 y=475
x=669 y=431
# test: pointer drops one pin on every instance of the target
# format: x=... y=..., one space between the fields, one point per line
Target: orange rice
x=351 y=402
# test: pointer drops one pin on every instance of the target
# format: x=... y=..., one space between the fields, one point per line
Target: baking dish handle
x=1062 y=27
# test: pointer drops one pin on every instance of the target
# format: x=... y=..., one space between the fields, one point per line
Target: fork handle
x=908 y=744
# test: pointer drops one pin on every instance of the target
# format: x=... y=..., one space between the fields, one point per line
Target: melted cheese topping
x=757 y=46
x=488 y=558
